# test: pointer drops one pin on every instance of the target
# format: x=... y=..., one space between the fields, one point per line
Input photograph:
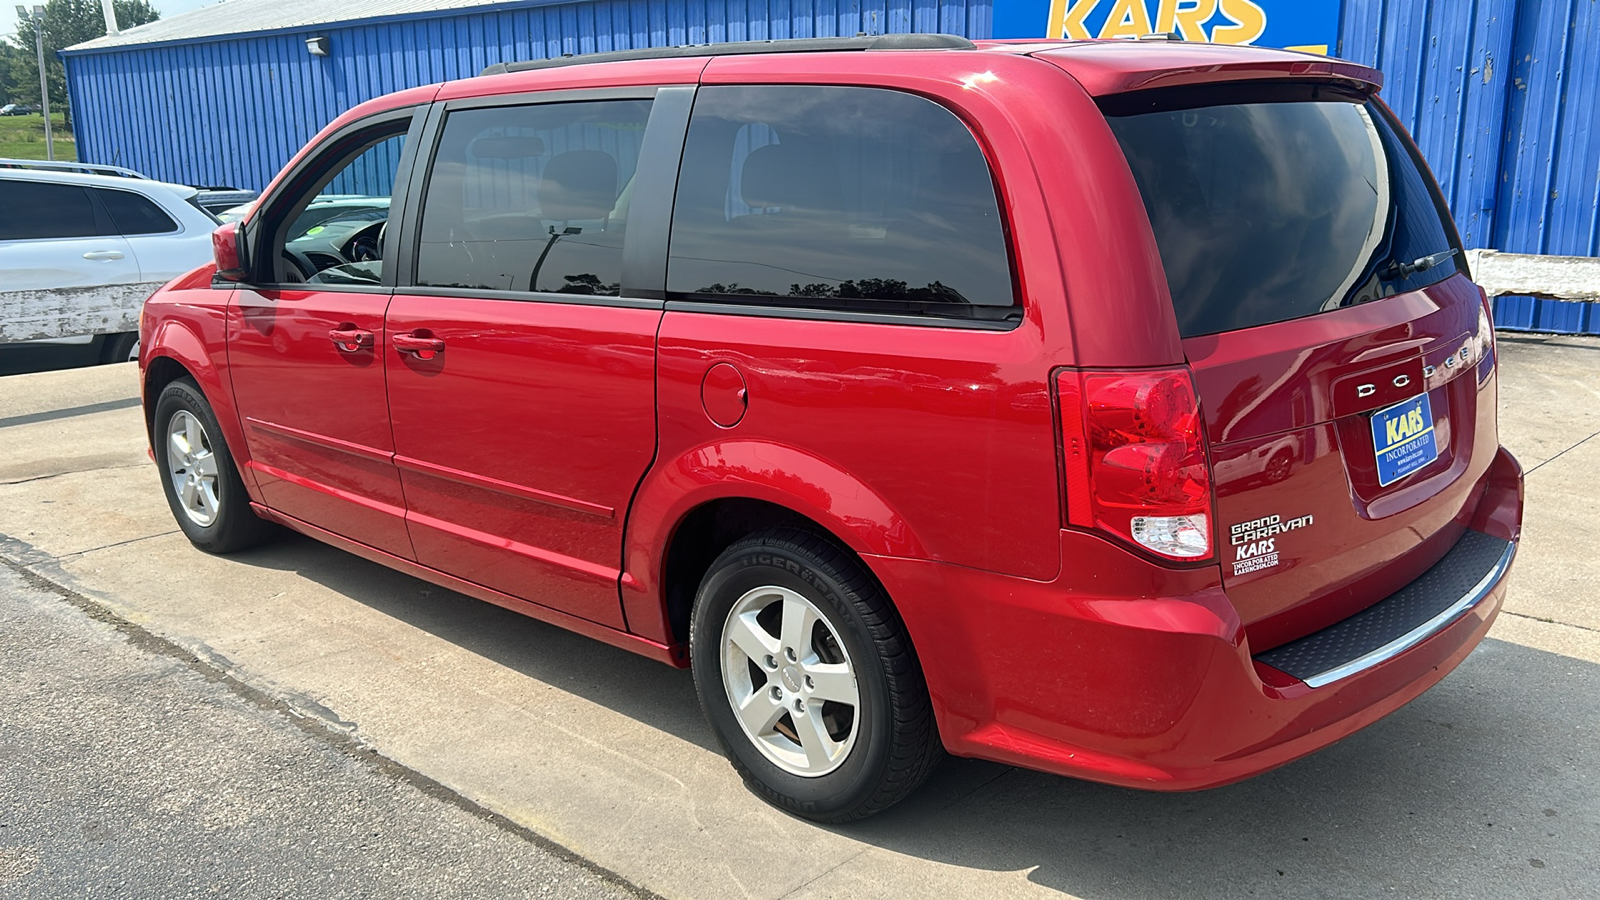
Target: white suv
x=80 y=252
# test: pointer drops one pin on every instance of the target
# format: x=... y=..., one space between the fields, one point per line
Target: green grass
x=22 y=137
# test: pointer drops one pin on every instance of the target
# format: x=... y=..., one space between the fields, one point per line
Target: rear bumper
x=1127 y=673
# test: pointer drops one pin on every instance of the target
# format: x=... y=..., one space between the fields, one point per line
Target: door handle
x=351 y=340
x=422 y=347
x=103 y=254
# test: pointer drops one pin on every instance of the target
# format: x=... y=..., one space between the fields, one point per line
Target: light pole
x=44 y=85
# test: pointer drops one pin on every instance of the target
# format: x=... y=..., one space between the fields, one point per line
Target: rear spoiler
x=1104 y=68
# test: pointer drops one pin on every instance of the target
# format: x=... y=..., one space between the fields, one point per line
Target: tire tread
x=915 y=749
x=237 y=527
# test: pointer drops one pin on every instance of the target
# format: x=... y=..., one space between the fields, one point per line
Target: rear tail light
x=1483 y=342
x=1135 y=460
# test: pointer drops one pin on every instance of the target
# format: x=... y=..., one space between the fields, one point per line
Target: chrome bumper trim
x=1424 y=631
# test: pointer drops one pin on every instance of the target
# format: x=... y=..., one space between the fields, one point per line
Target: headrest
x=781 y=175
x=578 y=184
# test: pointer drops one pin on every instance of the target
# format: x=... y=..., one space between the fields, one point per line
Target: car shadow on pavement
x=1484 y=786
x=642 y=689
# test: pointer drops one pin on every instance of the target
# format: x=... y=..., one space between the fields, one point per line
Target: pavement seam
x=1003 y=773
x=138 y=465
x=821 y=875
x=1549 y=621
x=1561 y=454
x=78 y=554
x=143 y=639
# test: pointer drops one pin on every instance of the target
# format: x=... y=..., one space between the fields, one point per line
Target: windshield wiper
x=1398 y=270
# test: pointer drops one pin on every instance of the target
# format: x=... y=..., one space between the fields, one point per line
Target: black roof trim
x=741 y=48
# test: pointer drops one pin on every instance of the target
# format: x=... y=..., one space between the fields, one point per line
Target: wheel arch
x=691 y=509
x=177 y=352
x=159 y=372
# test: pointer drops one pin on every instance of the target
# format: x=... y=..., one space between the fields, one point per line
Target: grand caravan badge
x=1255 y=543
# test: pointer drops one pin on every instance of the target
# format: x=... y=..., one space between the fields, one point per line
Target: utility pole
x=44 y=84
x=111 y=16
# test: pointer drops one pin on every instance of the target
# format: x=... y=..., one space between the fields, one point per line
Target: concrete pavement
x=1487 y=786
x=129 y=770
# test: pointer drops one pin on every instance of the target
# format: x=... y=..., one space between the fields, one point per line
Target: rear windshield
x=1281 y=206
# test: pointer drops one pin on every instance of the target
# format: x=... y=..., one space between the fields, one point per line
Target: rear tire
x=836 y=723
x=198 y=475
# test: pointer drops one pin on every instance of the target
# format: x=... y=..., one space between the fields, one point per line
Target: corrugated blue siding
x=1503 y=98
x=1502 y=95
x=234 y=111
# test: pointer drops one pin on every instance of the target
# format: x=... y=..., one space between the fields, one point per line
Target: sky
x=8 y=10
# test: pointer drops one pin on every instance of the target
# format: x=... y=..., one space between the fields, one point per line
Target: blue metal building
x=1502 y=95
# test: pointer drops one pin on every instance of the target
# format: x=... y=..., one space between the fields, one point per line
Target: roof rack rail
x=740 y=48
x=64 y=166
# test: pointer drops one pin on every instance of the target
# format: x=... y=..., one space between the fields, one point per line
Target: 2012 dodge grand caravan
x=1117 y=409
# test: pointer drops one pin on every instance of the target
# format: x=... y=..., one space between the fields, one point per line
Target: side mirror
x=227 y=247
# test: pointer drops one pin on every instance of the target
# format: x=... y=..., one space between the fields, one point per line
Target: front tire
x=120 y=348
x=198 y=475
x=806 y=674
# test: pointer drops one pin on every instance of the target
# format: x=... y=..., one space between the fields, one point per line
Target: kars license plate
x=1403 y=436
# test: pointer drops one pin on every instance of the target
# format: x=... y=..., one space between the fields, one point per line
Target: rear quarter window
x=135 y=214
x=1280 y=206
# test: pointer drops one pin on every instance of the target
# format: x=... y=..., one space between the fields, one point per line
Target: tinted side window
x=836 y=197
x=532 y=198
x=337 y=234
x=1268 y=211
x=33 y=210
x=134 y=214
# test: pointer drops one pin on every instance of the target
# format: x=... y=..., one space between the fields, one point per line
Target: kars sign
x=1309 y=25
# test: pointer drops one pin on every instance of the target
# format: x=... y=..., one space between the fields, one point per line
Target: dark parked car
x=1117 y=409
x=17 y=109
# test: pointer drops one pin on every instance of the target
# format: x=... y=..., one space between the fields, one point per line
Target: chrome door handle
x=103 y=254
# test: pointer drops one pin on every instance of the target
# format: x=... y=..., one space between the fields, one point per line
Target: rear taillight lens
x=1484 y=342
x=1135 y=459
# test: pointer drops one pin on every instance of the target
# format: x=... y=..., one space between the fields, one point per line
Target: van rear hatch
x=1342 y=356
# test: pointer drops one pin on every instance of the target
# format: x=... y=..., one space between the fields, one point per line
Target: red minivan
x=1123 y=410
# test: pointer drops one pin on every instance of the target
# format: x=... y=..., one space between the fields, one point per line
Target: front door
x=306 y=345
x=521 y=381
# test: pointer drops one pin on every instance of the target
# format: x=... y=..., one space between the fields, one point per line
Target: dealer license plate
x=1403 y=436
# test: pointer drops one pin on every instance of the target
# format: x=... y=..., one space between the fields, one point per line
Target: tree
x=8 y=81
x=66 y=23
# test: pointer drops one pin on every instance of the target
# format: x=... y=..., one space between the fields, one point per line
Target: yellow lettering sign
x=1128 y=19
x=1187 y=17
x=1067 y=19
x=1246 y=20
x=1250 y=22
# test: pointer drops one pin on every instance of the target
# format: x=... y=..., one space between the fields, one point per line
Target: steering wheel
x=365 y=248
x=367 y=244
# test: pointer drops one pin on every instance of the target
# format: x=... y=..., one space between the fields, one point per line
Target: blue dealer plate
x=1403 y=436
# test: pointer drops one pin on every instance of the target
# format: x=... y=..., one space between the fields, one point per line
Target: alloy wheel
x=192 y=468
x=790 y=680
